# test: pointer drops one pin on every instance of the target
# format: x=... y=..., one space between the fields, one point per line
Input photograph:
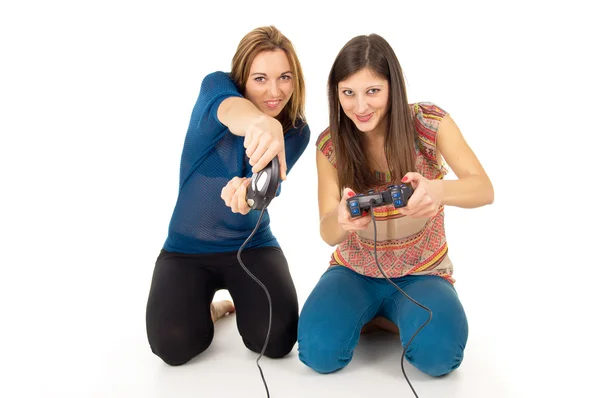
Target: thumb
x=412 y=178
x=347 y=193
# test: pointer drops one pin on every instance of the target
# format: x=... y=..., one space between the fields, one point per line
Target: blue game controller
x=396 y=195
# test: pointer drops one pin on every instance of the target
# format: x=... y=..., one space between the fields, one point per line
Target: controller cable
x=266 y=292
x=401 y=291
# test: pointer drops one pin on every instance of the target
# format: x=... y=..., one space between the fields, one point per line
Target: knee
x=436 y=358
x=322 y=354
x=178 y=345
x=282 y=339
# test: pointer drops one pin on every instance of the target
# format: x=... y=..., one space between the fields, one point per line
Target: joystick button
x=398 y=202
x=355 y=211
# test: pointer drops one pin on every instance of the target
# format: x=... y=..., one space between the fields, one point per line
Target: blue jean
x=343 y=301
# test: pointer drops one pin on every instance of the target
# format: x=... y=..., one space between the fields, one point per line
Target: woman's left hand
x=426 y=198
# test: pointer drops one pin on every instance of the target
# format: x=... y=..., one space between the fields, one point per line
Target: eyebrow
x=264 y=74
x=350 y=88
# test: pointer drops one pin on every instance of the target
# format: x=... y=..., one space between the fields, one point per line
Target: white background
x=95 y=100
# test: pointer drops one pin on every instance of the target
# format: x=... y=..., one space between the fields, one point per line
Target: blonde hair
x=269 y=38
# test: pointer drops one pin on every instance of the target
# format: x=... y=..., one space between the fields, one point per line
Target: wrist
x=331 y=230
x=440 y=189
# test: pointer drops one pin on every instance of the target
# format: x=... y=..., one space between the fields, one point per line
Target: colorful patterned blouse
x=405 y=245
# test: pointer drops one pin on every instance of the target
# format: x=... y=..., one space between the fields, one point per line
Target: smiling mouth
x=272 y=104
x=364 y=118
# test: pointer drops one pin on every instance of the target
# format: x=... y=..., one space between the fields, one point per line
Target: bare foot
x=382 y=324
x=218 y=309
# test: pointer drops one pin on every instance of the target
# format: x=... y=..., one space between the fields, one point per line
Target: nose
x=274 y=89
x=362 y=105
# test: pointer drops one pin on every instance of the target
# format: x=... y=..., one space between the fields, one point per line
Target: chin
x=271 y=112
x=365 y=127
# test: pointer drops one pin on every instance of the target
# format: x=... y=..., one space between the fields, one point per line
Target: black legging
x=178 y=319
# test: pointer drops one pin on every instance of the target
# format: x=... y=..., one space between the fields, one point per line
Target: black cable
x=407 y=296
x=268 y=298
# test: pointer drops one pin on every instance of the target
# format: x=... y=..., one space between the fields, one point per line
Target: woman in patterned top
x=375 y=139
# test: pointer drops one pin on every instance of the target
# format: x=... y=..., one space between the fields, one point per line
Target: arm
x=220 y=105
x=329 y=198
x=335 y=218
x=473 y=187
x=263 y=134
x=238 y=114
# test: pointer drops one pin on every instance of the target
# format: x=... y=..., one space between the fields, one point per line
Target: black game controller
x=397 y=195
x=263 y=187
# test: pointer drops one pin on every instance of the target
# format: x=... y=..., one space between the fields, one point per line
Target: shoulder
x=325 y=145
x=301 y=128
x=324 y=139
x=300 y=132
x=427 y=119
x=428 y=113
x=218 y=80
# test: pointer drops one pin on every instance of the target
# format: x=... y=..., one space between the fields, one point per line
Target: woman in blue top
x=240 y=122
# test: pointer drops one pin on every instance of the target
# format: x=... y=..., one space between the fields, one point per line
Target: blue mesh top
x=212 y=155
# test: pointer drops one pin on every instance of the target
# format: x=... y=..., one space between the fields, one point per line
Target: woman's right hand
x=345 y=220
x=263 y=141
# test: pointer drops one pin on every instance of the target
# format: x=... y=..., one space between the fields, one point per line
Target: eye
x=373 y=91
x=259 y=79
x=286 y=77
x=348 y=93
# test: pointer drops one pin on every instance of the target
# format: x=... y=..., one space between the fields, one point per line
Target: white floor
x=79 y=331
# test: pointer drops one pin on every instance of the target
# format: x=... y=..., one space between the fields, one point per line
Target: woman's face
x=364 y=99
x=270 y=85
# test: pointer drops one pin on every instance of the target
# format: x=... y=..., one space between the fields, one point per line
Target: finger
x=234 y=203
x=282 y=164
x=226 y=194
x=416 y=198
x=362 y=223
x=242 y=204
x=249 y=137
x=353 y=227
x=264 y=160
x=421 y=214
x=258 y=154
x=251 y=148
x=410 y=211
x=420 y=202
x=236 y=182
x=428 y=211
x=412 y=178
x=347 y=193
x=230 y=193
x=366 y=220
x=229 y=190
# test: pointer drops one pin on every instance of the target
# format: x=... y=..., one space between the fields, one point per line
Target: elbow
x=489 y=197
x=326 y=239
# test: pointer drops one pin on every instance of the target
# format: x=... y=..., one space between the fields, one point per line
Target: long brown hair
x=375 y=53
x=269 y=38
